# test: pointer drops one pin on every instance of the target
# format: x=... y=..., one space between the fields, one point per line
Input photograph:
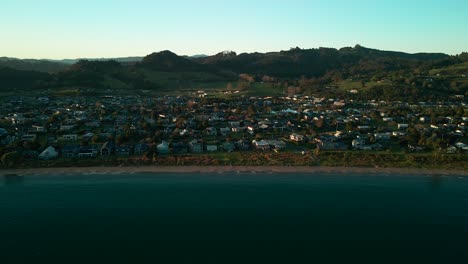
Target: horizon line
x=205 y=54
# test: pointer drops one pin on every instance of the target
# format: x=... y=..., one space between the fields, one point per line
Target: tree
x=11 y=158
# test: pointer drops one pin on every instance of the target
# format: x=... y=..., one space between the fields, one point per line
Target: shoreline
x=229 y=169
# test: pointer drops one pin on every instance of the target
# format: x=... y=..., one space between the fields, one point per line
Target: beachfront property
x=133 y=126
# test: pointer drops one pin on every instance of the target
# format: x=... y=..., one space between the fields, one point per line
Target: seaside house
x=196 y=146
x=261 y=145
x=87 y=152
x=107 y=148
x=70 y=151
x=276 y=144
x=211 y=148
x=124 y=150
x=228 y=147
x=243 y=145
x=163 y=148
x=48 y=153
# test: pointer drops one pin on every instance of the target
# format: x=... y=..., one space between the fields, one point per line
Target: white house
x=48 y=153
x=402 y=126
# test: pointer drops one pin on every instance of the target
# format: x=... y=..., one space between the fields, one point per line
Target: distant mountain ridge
x=167 y=70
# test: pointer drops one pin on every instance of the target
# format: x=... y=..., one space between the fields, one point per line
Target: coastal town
x=121 y=128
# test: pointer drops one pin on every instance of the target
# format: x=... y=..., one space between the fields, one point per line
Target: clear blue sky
x=110 y=28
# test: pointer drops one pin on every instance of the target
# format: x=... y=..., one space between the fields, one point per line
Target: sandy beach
x=230 y=169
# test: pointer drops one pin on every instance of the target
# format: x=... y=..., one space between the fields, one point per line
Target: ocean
x=233 y=218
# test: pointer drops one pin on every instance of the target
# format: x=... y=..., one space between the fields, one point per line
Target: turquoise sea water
x=234 y=218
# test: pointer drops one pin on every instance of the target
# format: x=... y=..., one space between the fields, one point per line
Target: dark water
x=230 y=218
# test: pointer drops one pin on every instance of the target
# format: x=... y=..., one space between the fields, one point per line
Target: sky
x=58 y=29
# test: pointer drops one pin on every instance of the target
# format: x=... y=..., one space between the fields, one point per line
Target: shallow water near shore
x=234 y=218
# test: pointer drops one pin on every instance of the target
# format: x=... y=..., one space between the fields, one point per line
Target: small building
x=382 y=136
x=124 y=150
x=403 y=126
x=70 y=137
x=196 y=146
x=331 y=145
x=228 y=147
x=87 y=152
x=38 y=129
x=296 y=138
x=212 y=131
x=276 y=144
x=261 y=145
x=107 y=149
x=225 y=131
x=48 y=153
x=163 y=148
x=243 y=145
x=70 y=151
x=211 y=148
x=29 y=137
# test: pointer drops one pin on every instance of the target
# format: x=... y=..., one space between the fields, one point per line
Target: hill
x=324 y=70
x=33 y=65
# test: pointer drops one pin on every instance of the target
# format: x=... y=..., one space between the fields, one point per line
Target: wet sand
x=230 y=169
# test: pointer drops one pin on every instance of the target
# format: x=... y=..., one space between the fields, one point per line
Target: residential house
x=261 y=145
x=29 y=137
x=48 y=153
x=211 y=148
x=196 y=146
x=225 y=131
x=70 y=137
x=107 y=148
x=88 y=136
x=461 y=145
x=212 y=131
x=228 y=147
x=403 y=126
x=331 y=145
x=38 y=129
x=382 y=136
x=297 y=138
x=87 y=152
x=70 y=151
x=124 y=150
x=67 y=127
x=276 y=144
x=163 y=148
x=243 y=145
